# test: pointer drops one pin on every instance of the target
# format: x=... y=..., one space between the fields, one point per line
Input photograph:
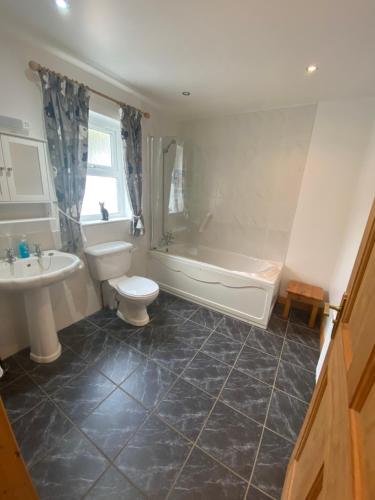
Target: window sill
x=99 y=222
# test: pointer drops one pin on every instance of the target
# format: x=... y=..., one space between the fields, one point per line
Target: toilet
x=109 y=262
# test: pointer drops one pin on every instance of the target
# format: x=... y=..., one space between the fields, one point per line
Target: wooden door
x=4 y=193
x=15 y=482
x=334 y=457
x=26 y=169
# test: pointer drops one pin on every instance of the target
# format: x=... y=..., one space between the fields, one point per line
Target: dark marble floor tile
x=39 y=431
x=12 y=371
x=222 y=348
x=301 y=317
x=204 y=479
x=153 y=457
x=77 y=331
x=163 y=301
x=277 y=325
x=119 y=329
x=271 y=464
x=207 y=317
x=53 y=376
x=93 y=346
x=257 y=364
x=265 y=341
x=113 y=422
x=231 y=438
x=255 y=494
x=149 y=339
x=207 y=373
x=165 y=318
x=119 y=362
x=193 y=334
x=82 y=394
x=295 y=381
x=278 y=310
x=23 y=359
x=183 y=308
x=21 y=396
x=112 y=485
x=234 y=328
x=248 y=395
x=286 y=415
x=102 y=317
x=148 y=383
x=306 y=336
x=300 y=355
x=174 y=355
x=185 y=407
x=69 y=470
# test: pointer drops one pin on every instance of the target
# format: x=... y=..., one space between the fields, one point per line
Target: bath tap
x=10 y=255
x=167 y=239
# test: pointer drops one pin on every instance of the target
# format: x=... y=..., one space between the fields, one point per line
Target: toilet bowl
x=109 y=262
x=134 y=295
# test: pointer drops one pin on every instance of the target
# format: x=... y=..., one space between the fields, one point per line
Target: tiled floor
x=195 y=405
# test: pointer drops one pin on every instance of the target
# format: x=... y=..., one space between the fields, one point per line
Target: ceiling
x=232 y=55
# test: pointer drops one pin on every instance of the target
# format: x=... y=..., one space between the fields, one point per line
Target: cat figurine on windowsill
x=104 y=211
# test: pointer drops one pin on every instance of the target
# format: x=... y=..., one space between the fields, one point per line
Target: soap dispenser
x=23 y=248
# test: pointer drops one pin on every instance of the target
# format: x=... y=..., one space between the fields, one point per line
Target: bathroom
x=187 y=381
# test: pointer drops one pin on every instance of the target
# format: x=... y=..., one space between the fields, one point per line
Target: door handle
x=338 y=309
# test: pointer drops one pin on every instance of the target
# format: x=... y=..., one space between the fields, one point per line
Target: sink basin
x=32 y=277
x=24 y=274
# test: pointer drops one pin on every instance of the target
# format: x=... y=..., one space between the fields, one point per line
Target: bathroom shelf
x=18 y=221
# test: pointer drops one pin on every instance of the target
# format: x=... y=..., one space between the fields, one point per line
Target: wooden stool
x=308 y=294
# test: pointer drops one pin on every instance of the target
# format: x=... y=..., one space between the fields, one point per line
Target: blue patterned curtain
x=66 y=114
x=131 y=132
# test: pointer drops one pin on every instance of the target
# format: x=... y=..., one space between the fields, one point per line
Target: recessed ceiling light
x=62 y=4
x=186 y=93
x=311 y=68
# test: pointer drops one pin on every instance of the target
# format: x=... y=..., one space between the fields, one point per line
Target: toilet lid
x=136 y=286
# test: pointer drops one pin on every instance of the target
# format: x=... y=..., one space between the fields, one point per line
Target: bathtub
x=235 y=284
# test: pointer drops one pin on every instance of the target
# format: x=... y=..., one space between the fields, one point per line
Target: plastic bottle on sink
x=23 y=248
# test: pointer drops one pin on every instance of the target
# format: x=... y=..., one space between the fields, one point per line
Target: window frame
x=102 y=123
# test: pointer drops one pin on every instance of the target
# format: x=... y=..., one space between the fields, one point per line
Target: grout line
x=205 y=422
x=267 y=413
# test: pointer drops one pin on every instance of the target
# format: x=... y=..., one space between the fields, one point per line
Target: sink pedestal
x=44 y=342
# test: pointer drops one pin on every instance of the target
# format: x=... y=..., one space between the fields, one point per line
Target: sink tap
x=37 y=250
x=10 y=255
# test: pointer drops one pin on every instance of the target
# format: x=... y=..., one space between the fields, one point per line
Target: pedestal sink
x=32 y=277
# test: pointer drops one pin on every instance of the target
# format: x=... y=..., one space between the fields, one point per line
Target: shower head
x=165 y=150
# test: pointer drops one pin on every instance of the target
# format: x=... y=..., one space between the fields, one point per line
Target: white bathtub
x=235 y=284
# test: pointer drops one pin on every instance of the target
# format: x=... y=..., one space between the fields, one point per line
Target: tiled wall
x=247 y=170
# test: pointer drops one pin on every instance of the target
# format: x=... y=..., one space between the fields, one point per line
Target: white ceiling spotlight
x=62 y=4
x=311 y=68
x=186 y=93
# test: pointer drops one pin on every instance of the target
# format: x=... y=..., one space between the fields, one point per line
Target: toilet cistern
x=109 y=262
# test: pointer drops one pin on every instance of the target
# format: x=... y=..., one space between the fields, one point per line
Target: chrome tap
x=37 y=250
x=167 y=239
x=10 y=255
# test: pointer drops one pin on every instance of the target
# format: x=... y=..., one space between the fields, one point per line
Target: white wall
x=20 y=97
x=363 y=197
x=334 y=164
x=246 y=170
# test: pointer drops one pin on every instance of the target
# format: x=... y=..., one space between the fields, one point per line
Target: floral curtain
x=66 y=114
x=131 y=132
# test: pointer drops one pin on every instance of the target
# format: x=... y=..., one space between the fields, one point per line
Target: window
x=105 y=181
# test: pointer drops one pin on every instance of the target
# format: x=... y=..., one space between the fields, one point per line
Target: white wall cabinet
x=23 y=170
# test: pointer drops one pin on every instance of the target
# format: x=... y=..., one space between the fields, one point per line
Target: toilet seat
x=135 y=287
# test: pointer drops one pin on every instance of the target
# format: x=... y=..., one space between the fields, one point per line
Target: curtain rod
x=34 y=66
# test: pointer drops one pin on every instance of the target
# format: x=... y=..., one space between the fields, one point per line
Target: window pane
x=99 y=148
x=100 y=188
